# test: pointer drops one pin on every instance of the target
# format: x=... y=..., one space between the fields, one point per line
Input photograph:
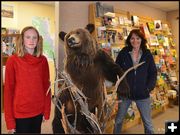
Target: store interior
x=52 y=17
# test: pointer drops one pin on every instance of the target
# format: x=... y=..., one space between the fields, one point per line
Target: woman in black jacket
x=141 y=80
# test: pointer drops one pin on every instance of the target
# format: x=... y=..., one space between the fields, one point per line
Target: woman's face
x=135 y=41
x=30 y=39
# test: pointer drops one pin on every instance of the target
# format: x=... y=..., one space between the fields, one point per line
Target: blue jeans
x=144 y=107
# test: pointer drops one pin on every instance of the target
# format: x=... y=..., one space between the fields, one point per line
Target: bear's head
x=79 y=40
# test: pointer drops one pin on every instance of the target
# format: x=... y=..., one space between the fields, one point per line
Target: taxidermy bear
x=88 y=67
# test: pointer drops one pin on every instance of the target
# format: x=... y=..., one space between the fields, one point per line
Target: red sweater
x=26 y=84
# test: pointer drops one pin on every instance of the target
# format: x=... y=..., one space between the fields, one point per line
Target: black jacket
x=142 y=80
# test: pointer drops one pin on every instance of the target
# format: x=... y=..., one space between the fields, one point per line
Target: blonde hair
x=20 y=48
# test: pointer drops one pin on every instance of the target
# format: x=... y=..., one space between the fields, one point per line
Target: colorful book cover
x=160 y=38
x=150 y=26
x=157 y=24
x=166 y=29
x=153 y=40
x=145 y=30
x=156 y=59
x=171 y=42
x=115 y=51
x=121 y=20
x=101 y=32
x=166 y=41
x=135 y=20
x=173 y=52
x=161 y=50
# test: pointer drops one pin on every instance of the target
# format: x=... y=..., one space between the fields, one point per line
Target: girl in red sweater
x=26 y=104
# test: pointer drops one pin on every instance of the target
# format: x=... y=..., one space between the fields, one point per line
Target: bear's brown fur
x=88 y=68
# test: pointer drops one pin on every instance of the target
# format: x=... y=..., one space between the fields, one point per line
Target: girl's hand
x=12 y=131
x=44 y=120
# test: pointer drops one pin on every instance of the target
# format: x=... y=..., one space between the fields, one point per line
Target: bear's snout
x=71 y=41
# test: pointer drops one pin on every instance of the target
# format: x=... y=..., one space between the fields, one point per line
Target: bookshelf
x=8 y=43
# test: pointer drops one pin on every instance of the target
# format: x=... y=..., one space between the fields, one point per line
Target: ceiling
x=163 y=5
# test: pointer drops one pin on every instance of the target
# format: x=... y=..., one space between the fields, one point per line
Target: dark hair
x=141 y=35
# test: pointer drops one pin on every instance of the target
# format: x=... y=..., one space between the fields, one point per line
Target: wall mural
x=43 y=26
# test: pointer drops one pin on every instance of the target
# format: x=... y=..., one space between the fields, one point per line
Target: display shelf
x=160 y=43
x=8 y=43
x=110 y=35
x=132 y=123
x=10 y=35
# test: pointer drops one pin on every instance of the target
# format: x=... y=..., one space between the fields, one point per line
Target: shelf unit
x=104 y=39
x=161 y=89
x=5 y=39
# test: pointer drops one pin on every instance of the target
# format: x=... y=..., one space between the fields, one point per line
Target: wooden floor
x=171 y=114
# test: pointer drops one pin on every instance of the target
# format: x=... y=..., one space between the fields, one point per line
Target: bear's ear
x=62 y=34
x=90 y=27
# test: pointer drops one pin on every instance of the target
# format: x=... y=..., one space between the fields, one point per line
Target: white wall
x=72 y=15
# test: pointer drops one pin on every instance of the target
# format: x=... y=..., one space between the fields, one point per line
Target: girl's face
x=30 y=39
x=135 y=41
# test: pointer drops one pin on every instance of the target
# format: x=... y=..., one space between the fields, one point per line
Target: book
x=101 y=32
x=161 y=50
x=166 y=29
x=135 y=20
x=171 y=41
x=107 y=21
x=145 y=30
x=156 y=59
x=99 y=9
x=160 y=38
x=114 y=22
x=8 y=45
x=127 y=22
x=153 y=40
x=157 y=25
x=150 y=26
x=115 y=51
x=166 y=41
x=121 y=20
x=3 y=30
x=106 y=47
x=103 y=9
x=120 y=36
x=111 y=36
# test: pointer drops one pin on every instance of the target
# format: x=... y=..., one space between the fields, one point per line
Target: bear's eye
x=78 y=32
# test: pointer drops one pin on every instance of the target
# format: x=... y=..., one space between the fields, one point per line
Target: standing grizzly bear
x=88 y=67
